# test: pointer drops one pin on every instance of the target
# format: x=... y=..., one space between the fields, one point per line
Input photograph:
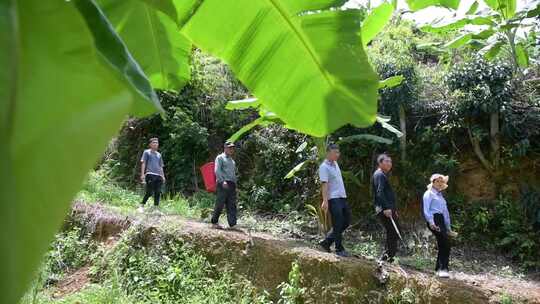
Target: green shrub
x=202 y=200
x=266 y=158
x=68 y=252
x=193 y=131
x=292 y=292
x=502 y=225
x=169 y=271
x=98 y=187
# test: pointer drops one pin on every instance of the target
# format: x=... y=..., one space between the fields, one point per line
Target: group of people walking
x=153 y=176
x=334 y=200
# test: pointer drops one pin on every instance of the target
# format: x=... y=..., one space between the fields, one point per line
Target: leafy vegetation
x=502 y=224
x=436 y=99
x=165 y=272
x=481 y=95
x=291 y=292
x=307 y=66
x=98 y=89
x=498 y=28
x=183 y=276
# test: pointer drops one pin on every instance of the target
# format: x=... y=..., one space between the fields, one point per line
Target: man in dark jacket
x=385 y=205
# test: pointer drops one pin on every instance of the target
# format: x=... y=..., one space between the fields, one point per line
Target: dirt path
x=72 y=283
x=494 y=285
x=266 y=260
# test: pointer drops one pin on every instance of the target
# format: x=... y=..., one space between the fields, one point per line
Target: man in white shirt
x=334 y=200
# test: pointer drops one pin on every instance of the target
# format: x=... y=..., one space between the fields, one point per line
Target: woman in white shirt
x=436 y=214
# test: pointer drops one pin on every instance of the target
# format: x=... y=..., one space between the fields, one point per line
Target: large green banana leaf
x=416 y=5
x=61 y=100
x=304 y=62
x=447 y=25
x=154 y=40
x=376 y=20
x=507 y=8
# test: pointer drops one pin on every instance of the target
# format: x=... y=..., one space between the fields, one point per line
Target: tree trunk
x=495 y=139
x=195 y=183
x=511 y=41
x=403 y=126
x=478 y=150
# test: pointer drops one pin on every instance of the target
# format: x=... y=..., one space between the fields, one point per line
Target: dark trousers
x=341 y=219
x=153 y=188
x=443 y=242
x=392 y=236
x=226 y=197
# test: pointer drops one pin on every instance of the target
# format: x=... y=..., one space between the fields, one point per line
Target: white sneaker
x=443 y=274
x=140 y=209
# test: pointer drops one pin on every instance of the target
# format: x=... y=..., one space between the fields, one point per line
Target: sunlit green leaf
x=302 y=147
x=507 y=8
x=266 y=118
x=114 y=52
x=491 y=50
x=309 y=69
x=242 y=104
x=154 y=40
x=375 y=21
x=416 y=5
x=297 y=168
x=472 y=9
x=432 y=47
x=301 y=6
x=509 y=25
x=391 y=82
x=364 y=137
x=521 y=55
x=459 y=41
x=485 y=34
x=383 y=121
x=476 y=44
x=493 y=4
x=257 y=122
x=61 y=100
x=445 y=25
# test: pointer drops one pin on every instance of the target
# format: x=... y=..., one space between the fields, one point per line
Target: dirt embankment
x=266 y=261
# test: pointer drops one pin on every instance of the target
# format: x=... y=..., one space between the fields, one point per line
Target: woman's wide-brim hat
x=437 y=176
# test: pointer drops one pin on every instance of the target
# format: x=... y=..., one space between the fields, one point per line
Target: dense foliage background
x=445 y=103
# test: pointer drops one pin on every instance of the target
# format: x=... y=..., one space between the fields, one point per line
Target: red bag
x=209 y=177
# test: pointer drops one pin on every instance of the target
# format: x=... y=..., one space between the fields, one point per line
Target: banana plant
x=303 y=59
x=416 y=5
x=500 y=24
x=154 y=40
x=67 y=83
x=67 y=86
